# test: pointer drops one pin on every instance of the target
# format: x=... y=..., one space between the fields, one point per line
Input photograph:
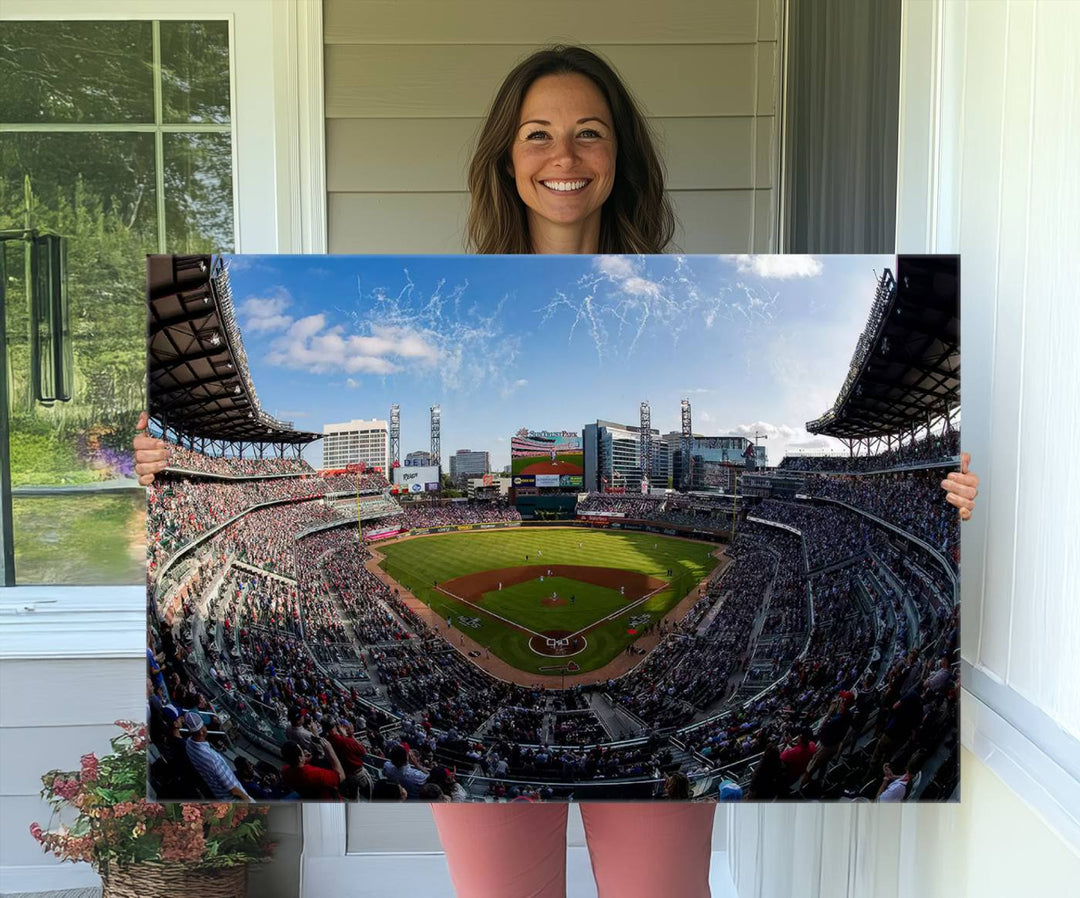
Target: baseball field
x=547 y=600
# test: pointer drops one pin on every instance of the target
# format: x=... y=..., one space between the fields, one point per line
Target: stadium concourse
x=825 y=650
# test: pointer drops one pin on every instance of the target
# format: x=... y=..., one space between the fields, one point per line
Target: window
x=116 y=135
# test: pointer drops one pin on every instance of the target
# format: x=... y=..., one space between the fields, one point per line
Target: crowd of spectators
x=579 y=728
x=183 y=459
x=630 y=506
x=913 y=501
x=943 y=448
x=831 y=534
x=427 y=514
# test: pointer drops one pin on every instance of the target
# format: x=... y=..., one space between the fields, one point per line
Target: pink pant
x=518 y=850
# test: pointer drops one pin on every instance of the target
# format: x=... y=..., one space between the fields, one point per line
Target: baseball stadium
x=783 y=639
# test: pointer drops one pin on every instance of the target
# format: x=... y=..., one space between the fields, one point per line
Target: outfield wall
x=458 y=528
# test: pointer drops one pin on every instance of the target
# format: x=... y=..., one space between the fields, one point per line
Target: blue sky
x=757 y=343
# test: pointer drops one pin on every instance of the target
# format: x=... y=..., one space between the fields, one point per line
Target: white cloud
x=623 y=300
x=266 y=314
x=636 y=286
x=351 y=384
x=697 y=390
x=783 y=439
x=781 y=267
x=512 y=388
x=310 y=345
x=616 y=267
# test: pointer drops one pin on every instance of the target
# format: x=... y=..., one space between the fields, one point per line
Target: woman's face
x=563 y=154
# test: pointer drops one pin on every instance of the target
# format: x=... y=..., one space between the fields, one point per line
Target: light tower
x=395 y=435
x=687 y=436
x=436 y=436
x=645 y=445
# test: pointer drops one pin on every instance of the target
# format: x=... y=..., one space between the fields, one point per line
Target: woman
x=566 y=164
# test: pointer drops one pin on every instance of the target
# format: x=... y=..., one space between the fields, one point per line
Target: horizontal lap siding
x=407 y=86
x=52 y=713
x=479 y=22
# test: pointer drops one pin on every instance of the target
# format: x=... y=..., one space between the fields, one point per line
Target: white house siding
x=407 y=85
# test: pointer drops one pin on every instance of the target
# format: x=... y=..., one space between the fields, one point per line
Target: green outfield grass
x=418 y=563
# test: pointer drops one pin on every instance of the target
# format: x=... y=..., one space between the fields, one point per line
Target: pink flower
x=89 y=768
x=65 y=788
x=192 y=814
x=181 y=842
x=36 y=832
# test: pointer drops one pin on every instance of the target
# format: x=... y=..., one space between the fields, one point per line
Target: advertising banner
x=548 y=480
x=375 y=535
x=571 y=481
x=524 y=480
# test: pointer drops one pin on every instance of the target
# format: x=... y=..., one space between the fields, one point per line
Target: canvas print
x=553 y=528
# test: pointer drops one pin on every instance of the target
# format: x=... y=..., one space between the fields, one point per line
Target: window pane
x=78 y=516
x=195 y=72
x=83 y=539
x=97 y=190
x=198 y=193
x=76 y=72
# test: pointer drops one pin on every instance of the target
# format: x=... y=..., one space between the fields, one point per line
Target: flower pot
x=174 y=881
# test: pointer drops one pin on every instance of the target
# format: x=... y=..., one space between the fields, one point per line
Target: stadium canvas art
x=553 y=528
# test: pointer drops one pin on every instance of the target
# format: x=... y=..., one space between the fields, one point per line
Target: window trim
x=1033 y=755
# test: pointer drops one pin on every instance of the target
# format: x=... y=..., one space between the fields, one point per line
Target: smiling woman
x=565 y=164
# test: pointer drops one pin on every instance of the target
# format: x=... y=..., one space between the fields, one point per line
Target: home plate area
x=555 y=605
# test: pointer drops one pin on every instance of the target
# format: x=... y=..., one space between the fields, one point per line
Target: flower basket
x=142 y=848
x=173 y=881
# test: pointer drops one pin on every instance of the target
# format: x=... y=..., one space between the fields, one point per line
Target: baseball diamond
x=578 y=600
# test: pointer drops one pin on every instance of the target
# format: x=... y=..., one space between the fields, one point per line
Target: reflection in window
x=117 y=136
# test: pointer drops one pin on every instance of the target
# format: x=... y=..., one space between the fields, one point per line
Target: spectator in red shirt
x=311 y=783
x=349 y=750
x=798 y=756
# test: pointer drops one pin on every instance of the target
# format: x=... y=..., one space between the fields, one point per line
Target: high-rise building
x=613 y=457
x=356 y=442
x=715 y=462
x=466 y=463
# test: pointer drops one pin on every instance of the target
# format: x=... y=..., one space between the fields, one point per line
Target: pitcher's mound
x=554 y=601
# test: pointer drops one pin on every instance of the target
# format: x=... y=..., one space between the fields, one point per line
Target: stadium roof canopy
x=197 y=371
x=905 y=372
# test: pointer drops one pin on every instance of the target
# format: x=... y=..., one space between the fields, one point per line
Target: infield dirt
x=463 y=644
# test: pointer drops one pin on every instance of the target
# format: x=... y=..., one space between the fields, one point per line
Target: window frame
x=275 y=60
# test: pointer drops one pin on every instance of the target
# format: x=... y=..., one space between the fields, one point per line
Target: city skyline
x=756 y=343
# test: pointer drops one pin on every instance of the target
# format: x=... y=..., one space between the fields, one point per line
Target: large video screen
x=548 y=455
x=416 y=479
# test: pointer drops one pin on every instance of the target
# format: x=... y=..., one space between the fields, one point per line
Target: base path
x=621 y=664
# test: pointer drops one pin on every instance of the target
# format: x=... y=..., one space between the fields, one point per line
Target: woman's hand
x=961 y=488
x=151 y=454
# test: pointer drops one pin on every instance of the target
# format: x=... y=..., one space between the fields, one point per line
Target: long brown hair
x=637 y=216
